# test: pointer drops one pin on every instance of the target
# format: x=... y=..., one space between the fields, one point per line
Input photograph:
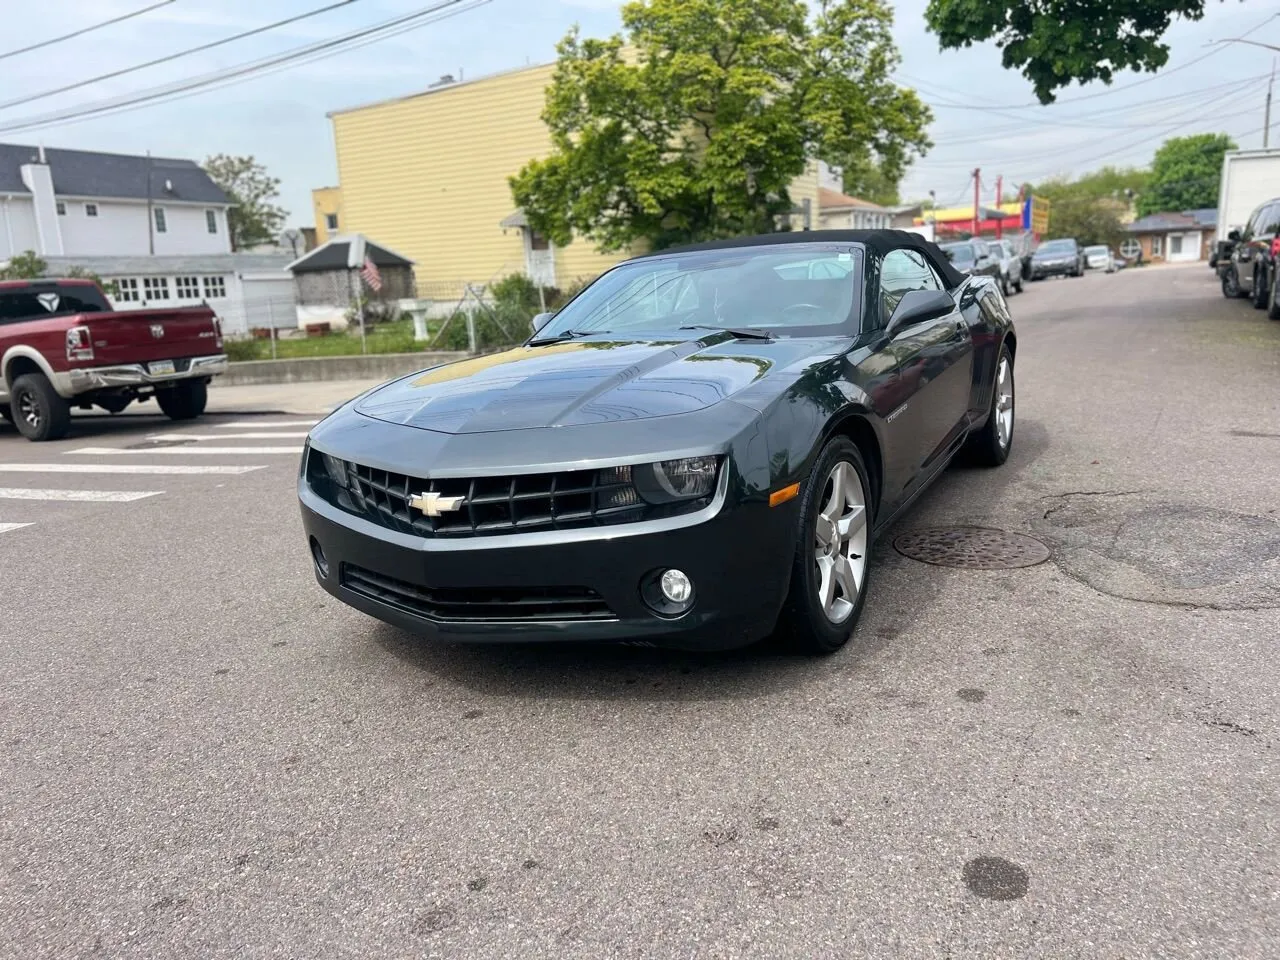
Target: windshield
x=962 y=252
x=1058 y=246
x=796 y=289
x=1095 y=251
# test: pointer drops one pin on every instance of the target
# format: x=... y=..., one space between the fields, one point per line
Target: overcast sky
x=280 y=117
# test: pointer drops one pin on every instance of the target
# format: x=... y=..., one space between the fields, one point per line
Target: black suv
x=1250 y=269
x=973 y=256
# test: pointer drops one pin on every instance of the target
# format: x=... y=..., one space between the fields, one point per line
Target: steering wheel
x=804 y=306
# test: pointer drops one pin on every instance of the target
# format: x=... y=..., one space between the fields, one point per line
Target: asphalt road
x=202 y=755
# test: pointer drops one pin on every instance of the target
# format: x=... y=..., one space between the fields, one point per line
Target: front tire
x=990 y=446
x=833 y=553
x=1231 y=284
x=183 y=401
x=38 y=412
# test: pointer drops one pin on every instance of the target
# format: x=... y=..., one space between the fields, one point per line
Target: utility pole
x=1000 y=213
x=977 y=184
x=1266 y=126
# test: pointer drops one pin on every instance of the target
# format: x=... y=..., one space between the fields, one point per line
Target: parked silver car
x=1010 y=264
x=1099 y=258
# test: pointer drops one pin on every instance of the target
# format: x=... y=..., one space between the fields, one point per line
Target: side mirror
x=1233 y=236
x=917 y=306
x=540 y=320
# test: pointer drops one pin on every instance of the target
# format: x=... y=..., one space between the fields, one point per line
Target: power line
x=227 y=77
x=84 y=30
x=174 y=56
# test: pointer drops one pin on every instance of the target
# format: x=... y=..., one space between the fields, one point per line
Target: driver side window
x=902 y=271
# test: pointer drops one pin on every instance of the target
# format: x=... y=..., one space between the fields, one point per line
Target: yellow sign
x=1039 y=215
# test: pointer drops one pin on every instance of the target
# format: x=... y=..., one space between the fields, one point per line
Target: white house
x=77 y=203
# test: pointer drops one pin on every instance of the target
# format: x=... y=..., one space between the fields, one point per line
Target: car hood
x=583 y=381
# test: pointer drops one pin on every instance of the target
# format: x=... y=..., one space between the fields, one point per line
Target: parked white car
x=1010 y=265
x=1099 y=258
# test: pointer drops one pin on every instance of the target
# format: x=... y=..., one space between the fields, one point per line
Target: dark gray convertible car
x=697 y=451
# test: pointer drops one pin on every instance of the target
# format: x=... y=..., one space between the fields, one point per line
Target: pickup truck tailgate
x=133 y=336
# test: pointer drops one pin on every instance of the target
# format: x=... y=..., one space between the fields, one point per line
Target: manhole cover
x=978 y=548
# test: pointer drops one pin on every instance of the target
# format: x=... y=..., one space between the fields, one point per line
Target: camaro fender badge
x=432 y=504
x=895 y=414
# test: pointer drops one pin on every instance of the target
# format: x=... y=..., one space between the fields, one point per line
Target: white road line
x=262 y=424
x=156 y=468
x=227 y=436
x=6 y=527
x=185 y=451
x=85 y=496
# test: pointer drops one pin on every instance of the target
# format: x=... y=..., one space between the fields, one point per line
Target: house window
x=211 y=219
x=331 y=221
x=90 y=209
x=1157 y=246
x=188 y=288
x=1175 y=245
x=127 y=290
x=161 y=225
x=62 y=208
x=215 y=288
x=155 y=288
x=1130 y=248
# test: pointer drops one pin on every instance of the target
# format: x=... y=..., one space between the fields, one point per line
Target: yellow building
x=327 y=204
x=427 y=173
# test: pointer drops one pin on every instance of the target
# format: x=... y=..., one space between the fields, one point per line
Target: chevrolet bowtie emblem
x=432 y=504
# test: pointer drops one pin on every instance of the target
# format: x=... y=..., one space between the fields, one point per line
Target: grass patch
x=395 y=337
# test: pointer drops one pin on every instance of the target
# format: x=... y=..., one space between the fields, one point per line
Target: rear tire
x=38 y=412
x=1273 y=308
x=833 y=550
x=183 y=401
x=1258 y=293
x=990 y=446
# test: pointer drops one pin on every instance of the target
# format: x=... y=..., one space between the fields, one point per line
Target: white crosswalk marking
x=170 y=469
x=263 y=424
x=186 y=451
x=84 y=496
x=6 y=527
x=227 y=436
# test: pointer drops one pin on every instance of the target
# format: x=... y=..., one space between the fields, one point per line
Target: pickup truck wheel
x=833 y=549
x=183 y=401
x=38 y=412
x=990 y=446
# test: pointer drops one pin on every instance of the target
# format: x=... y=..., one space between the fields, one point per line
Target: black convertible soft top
x=879 y=241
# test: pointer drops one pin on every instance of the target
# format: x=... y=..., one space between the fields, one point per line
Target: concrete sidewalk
x=295 y=398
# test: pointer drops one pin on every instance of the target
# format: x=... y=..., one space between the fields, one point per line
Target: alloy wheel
x=840 y=542
x=28 y=408
x=1004 y=403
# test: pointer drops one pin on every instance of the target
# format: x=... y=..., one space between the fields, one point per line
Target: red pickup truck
x=63 y=346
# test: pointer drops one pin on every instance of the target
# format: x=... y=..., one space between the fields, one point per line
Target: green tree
x=1088 y=219
x=1186 y=173
x=255 y=218
x=1054 y=42
x=24 y=266
x=700 y=134
x=869 y=181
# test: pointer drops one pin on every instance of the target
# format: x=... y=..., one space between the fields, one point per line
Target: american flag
x=371 y=275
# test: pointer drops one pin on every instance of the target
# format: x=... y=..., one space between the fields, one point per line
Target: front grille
x=478 y=604
x=488 y=506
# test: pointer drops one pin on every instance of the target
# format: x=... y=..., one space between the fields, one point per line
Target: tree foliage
x=696 y=124
x=1089 y=219
x=24 y=266
x=255 y=218
x=1186 y=173
x=1055 y=42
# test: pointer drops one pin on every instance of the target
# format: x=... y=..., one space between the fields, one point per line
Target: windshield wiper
x=561 y=337
x=741 y=334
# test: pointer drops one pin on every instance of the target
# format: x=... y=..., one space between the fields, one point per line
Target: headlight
x=670 y=481
x=336 y=469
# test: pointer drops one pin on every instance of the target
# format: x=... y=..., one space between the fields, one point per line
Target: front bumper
x=737 y=555
x=84 y=380
x=1052 y=269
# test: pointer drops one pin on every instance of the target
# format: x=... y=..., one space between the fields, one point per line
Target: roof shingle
x=83 y=173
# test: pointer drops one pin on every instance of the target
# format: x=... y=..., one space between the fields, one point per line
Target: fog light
x=317 y=555
x=676 y=587
x=668 y=593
